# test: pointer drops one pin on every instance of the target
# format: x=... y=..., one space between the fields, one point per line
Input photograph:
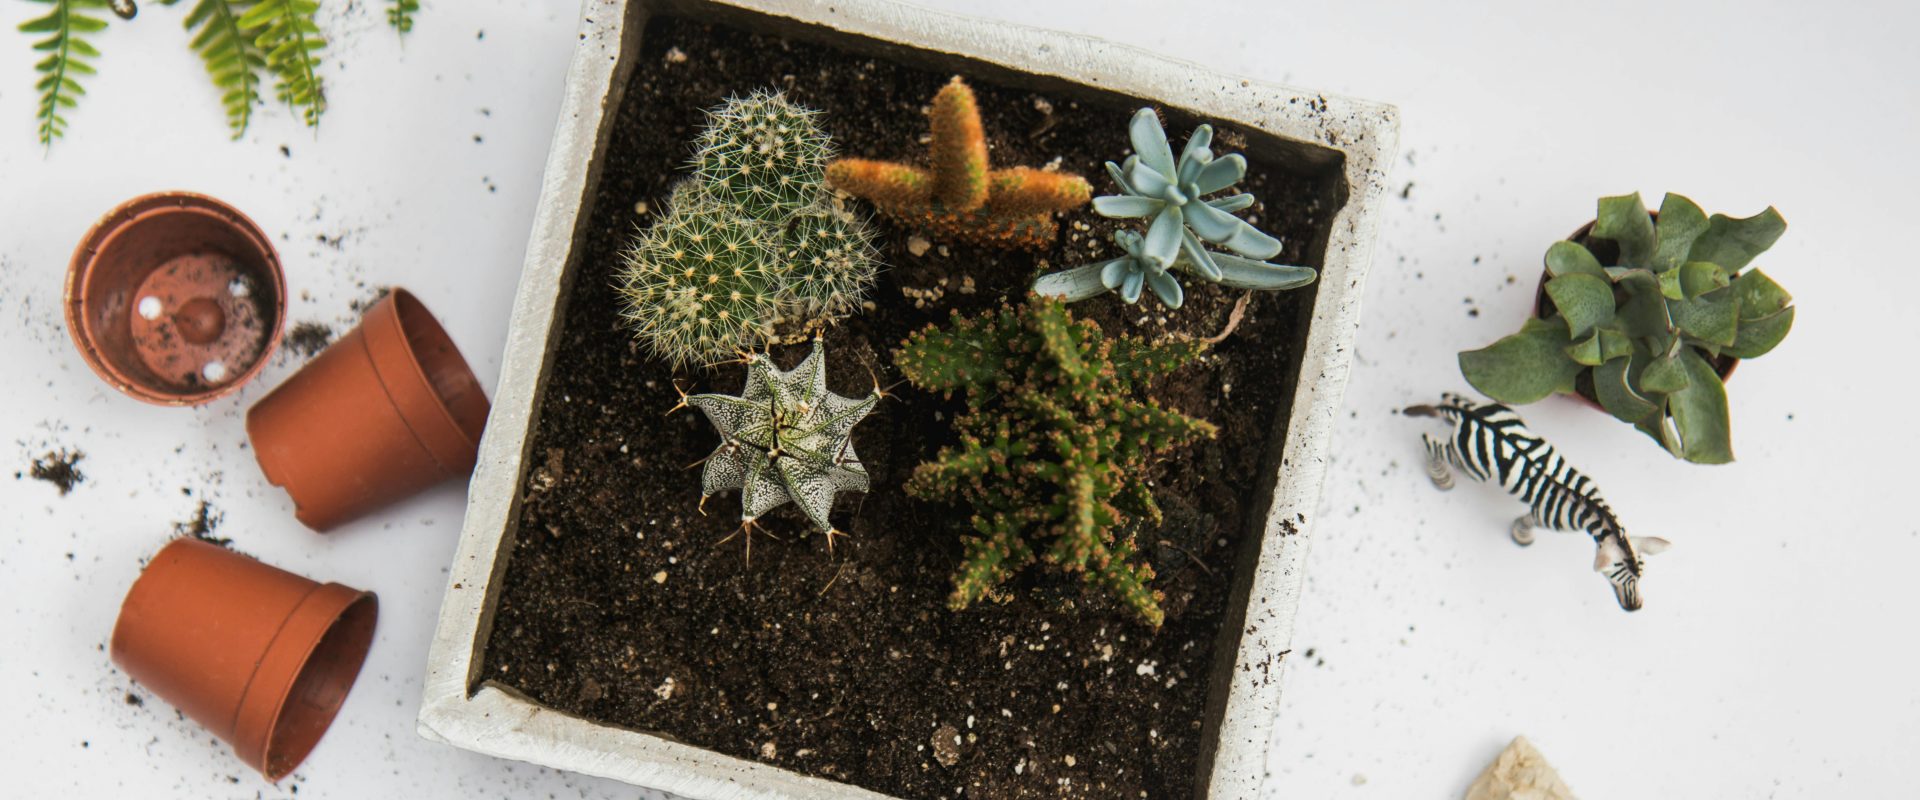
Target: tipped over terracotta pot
x=261 y=657
x=386 y=412
x=175 y=298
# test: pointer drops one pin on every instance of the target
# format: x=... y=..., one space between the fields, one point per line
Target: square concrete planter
x=1351 y=141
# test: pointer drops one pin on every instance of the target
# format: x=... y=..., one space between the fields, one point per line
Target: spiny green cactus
x=785 y=438
x=765 y=152
x=699 y=282
x=961 y=197
x=1055 y=444
x=753 y=240
x=1154 y=185
x=1640 y=335
x=828 y=255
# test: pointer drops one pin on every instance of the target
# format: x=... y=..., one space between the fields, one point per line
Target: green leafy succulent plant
x=1171 y=193
x=1055 y=444
x=753 y=240
x=785 y=439
x=1640 y=330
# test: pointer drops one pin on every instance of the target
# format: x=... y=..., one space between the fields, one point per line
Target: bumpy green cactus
x=785 y=438
x=753 y=240
x=1639 y=333
x=1054 y=446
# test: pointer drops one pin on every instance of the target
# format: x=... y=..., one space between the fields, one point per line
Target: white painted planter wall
x=1356 y=138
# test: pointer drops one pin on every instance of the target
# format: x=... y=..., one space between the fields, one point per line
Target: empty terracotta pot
x=261 y=657
x=386 y=412
x=175 y=298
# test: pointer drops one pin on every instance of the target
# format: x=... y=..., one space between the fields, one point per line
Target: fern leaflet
x=400 y=14
x=67 y=59
x=290 y=39
x=233 y=59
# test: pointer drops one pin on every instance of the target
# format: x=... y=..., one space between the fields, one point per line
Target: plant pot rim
x=1353 y=140
x=80 y=268
x=426 y=411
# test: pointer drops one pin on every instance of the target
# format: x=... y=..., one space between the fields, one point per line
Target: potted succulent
x=1645 y=313
x=984 y=539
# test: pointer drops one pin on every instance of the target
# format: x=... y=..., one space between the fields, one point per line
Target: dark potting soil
x=621 y=605
x=60 y=468
x=307 y=339
x=202 y=524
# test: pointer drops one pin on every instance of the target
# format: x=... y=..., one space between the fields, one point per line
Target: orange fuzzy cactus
x=961 y=197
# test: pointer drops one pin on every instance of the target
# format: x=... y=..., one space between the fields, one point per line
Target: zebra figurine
x=1490 y=442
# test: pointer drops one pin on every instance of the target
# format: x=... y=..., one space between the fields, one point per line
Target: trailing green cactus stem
x=1055 y=445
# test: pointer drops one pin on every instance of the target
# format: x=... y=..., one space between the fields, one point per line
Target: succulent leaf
x=1525 y=366
x=1700 y=414
x=1584 y=301
x=1624 y=221
x=1681 y=223
x=1568 y=258
x=1614 y=388
x=1182 y=222
x=1733 y=242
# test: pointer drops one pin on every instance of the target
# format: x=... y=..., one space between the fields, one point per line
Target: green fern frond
x=234 y=61
x=66 y=60
x=291 y=39
x=400 y=14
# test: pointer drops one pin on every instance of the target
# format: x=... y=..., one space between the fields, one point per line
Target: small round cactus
x=700 y=282
x=830 y=261
x=765 y=152
x=753 y=242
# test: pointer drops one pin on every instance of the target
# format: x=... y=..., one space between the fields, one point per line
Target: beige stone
x=1519 y=773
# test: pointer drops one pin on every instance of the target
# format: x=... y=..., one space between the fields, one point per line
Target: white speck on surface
x=149 y=307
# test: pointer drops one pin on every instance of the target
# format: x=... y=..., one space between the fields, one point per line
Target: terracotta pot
x=259 y=656
x=385 y=412
x=1608 y=256
x=175 y=298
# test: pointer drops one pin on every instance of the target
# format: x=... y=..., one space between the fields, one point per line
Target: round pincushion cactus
x=764 y=152
x=702 y=281
x=753 y=241
x=830 y=261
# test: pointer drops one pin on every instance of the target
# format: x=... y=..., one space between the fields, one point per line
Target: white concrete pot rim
x=1323 y=132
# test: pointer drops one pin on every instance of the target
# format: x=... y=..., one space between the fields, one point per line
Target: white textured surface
x=1772 y=659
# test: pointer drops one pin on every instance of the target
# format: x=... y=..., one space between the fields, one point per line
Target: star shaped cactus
x=785 y=438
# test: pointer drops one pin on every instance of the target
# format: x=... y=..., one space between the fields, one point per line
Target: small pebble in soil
x=60 y=468
x=946 y=745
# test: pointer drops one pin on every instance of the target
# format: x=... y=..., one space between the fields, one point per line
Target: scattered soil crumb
x=205 y=520
x=379 y=293
x=135 y=700
x=60 y=468
x=307 y=339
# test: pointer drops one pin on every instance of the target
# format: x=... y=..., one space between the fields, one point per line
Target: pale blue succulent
x=1183 y=223
x=1154 y=185
x=1129 y=273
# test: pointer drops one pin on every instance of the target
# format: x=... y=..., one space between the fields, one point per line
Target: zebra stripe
x=1491 y=443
